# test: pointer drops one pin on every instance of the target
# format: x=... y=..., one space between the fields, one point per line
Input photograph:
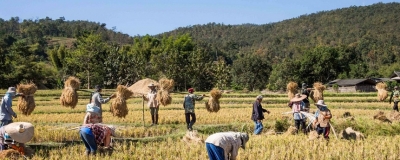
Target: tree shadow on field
x=45 y=148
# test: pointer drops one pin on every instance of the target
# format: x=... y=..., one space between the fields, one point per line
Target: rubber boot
x=156 y=119
x=152 y=120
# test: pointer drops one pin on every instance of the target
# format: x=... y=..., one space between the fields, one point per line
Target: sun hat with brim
x=244 y=137
x=11 y=90
x=298 y=97
x=320 y=103
x=21 y=132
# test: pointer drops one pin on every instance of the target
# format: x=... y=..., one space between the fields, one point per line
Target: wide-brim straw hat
x=298 y=97
x=151 y=85
x=320 y=103
x=21 y=132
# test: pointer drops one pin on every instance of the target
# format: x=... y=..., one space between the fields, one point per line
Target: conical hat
x=21 y=132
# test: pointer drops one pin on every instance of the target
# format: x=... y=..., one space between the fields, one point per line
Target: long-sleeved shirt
x=151 y=98
x=320 y=115
x=98 y=100
x=189 y=102
x=296 y=108
x=229 y=141
x=257 y=111
x=6 y=112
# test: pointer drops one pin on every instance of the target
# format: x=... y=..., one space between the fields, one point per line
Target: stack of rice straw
x=382 y=93
x=192 y=137
x=69 y=96
x=291 y=89
x=382 y=117
x=26 y=103
x=213 y=102
x=118 y=105
x=318 y=92
x=165 y=86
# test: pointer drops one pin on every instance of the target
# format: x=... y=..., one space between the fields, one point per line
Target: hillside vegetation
x=353 y=42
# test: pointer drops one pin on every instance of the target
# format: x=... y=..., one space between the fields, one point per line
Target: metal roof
x=351 y=82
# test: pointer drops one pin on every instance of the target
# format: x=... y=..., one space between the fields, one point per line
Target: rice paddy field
x=55 y=137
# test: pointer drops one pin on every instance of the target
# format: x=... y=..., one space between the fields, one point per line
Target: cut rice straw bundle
x=166 y=85
x=291 y=89
x=26 y=103
x=69 y=96
x=118 y=105
x=10 y=154
x=382 y=93
x=192 y=137
x=213 y=102
x=318 y=92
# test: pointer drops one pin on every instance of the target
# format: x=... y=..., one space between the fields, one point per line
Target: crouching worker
x=95 y=136
x=92 y=114
x=322 y=121
x=225 y=145
x=15 y=135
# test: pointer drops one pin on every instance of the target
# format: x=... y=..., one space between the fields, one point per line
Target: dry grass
x=382 y=117
x=192 y=137
x=118 y=105
x=26 y=104
x=10 y=154
x=166 y=85
x=213 y=102
x=69 y=96
x=382 y=93
x=291 y=88
x=318 y=92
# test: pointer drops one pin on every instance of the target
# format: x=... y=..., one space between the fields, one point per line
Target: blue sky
x=152 y=17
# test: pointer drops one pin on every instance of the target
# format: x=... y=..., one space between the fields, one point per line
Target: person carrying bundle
x=188 y=105
x=94 y=135
x=322 y=122
x=225 y=145
x=297 y=105
x=15 y=135
x=395 y=98
x=153 y=104
x=6 y=111
x=97 y=100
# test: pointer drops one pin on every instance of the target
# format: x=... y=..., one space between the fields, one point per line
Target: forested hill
x=48 y=28
x=354 y=42
x=372 y=28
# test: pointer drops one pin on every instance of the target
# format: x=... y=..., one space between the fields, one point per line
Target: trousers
x=214 y=152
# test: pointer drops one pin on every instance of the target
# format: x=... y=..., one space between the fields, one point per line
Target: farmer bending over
x=225 y=145
x=15 y=135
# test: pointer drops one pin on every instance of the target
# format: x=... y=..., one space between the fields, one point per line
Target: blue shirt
x=6 y=112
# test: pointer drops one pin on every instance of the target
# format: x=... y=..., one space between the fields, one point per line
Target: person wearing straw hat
x=15 y=135
x=297 y=105
x=322 y=121
x=152 y=103
x=258 y=115
x=395 y=97
x=94 y=135
x=225 y=145
x=97 y=100
x=188 y=105
x=6 y=111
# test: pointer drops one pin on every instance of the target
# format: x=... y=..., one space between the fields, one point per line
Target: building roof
x=395 y=74
x=351 y=82
x=382 y=79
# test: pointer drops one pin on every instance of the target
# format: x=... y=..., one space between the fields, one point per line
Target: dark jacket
x=307 y=93
x=257 y=111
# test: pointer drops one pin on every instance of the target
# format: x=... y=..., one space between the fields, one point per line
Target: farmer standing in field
x=395 y=97
x=225 y=145
x=188 y=105
x=152 y=103
x=97 y=100
x=322 y=122
x=6 y=111
x=297 y=105
x=258 y=115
